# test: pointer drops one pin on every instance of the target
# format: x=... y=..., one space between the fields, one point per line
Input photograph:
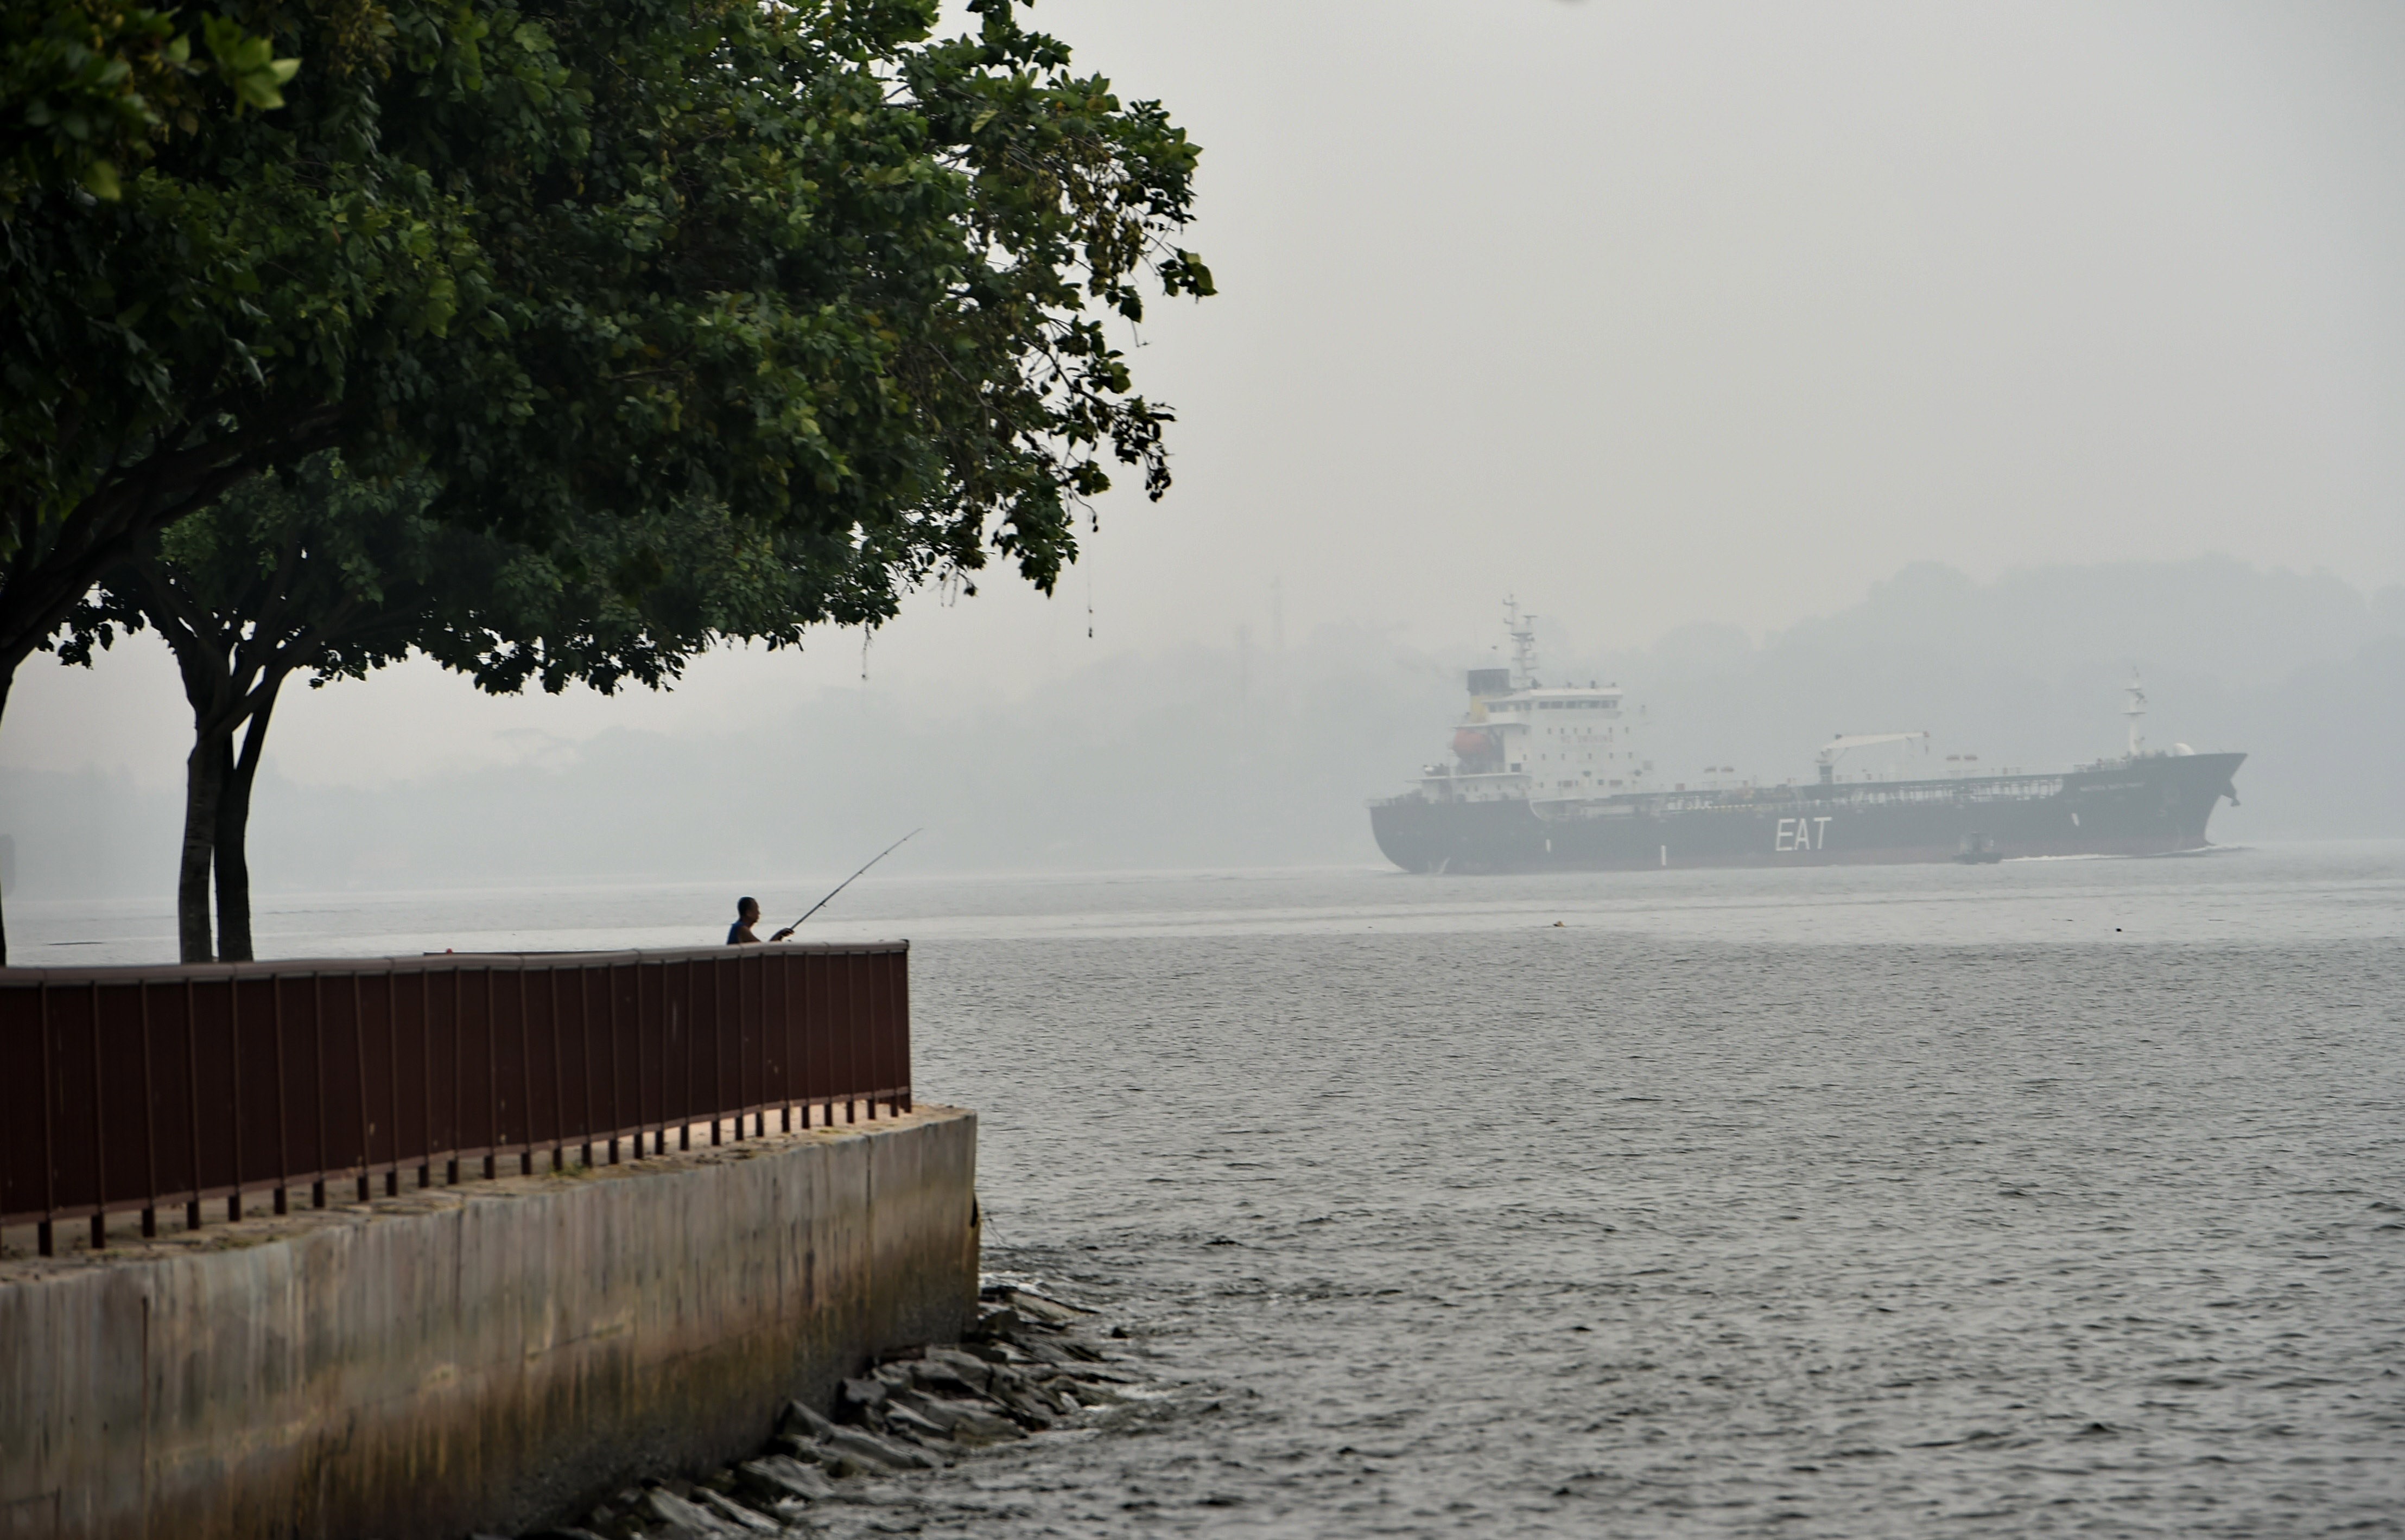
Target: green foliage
x=91 y=84
x=323 y=573
x=576 y=262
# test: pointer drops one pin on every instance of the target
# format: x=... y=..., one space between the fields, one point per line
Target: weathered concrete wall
x=478 y=1357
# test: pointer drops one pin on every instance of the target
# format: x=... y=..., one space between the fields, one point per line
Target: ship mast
x=2136 y=691
x=1524 y=644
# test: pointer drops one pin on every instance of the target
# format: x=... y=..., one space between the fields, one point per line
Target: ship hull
x=2151 y=805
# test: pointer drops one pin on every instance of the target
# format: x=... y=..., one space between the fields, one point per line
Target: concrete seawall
x=479 y=1357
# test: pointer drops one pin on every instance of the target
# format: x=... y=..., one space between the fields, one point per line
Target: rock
x=1036 y=1306
x=1030 y=1389
x=682 y=1520
x=798 y=1419
x=562 y=1532
x=994 y=1325
x=775 y=1475
x=975 y=1425
x=968 y=1424
x=1023 y=1408
x=869 y=1449
x=860 y=1396
x=903 y=1420
x=616 y=1518
x=1046 y=1353
x=944 y=1376
x=1053 y=1395
x=973 y=1372
x=808 y=1451
x=735 y=1514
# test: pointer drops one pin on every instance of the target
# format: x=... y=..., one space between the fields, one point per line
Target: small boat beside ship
x=1550 y=778
x=1978 y=849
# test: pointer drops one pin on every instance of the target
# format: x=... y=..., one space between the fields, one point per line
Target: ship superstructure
x=1521 y=740
x=1553 y=777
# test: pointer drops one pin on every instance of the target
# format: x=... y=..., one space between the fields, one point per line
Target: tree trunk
x=204 y=778
x=233 y=832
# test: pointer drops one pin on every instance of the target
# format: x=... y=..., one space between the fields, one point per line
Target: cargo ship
x=1553 y=778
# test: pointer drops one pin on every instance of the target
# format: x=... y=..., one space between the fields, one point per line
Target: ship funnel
x=1490 y=681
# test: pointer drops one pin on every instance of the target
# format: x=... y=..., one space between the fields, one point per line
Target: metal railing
x=142 y=1088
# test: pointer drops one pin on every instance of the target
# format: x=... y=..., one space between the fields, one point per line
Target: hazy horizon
x=1252 y=754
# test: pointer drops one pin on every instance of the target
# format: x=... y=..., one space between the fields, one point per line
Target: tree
x=317 y=573
x=578 y=259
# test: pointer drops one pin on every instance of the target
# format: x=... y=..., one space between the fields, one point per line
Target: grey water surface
x=2050 y=1197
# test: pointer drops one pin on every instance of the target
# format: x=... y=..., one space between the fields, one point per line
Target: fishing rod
x=855 y=877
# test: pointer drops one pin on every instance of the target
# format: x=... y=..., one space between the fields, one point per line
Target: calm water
x=2052 y=1197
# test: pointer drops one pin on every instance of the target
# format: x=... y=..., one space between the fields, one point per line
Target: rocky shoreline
x=1030 y=1363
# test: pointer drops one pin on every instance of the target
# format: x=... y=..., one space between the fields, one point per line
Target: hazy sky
x=1651 y=314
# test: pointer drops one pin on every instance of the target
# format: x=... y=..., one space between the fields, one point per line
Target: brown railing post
x=902 y=1028
x=585 y=1060
x=642 y=1120
x=150 y=1125
x=426 y=1092
x=193 y=1096
x=609 y=988
x=526 y=1073
x=742 y=1042
x=393 y=1081
x=851 y=1036
x=317 y=1071
x=684 y=1120
x=42 y=1240
x=234 y=1032
x=99 y=1133
x=822 y=1016
x=492 y=1081
x=283 y=1112
x=873 y=967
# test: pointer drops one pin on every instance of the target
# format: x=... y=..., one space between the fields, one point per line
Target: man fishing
x=747 y=911
x=747 y=914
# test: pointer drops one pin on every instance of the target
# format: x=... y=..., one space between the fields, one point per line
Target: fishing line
x=855 y=877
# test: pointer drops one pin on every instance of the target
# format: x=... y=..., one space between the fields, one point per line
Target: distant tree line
x=556 y=342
